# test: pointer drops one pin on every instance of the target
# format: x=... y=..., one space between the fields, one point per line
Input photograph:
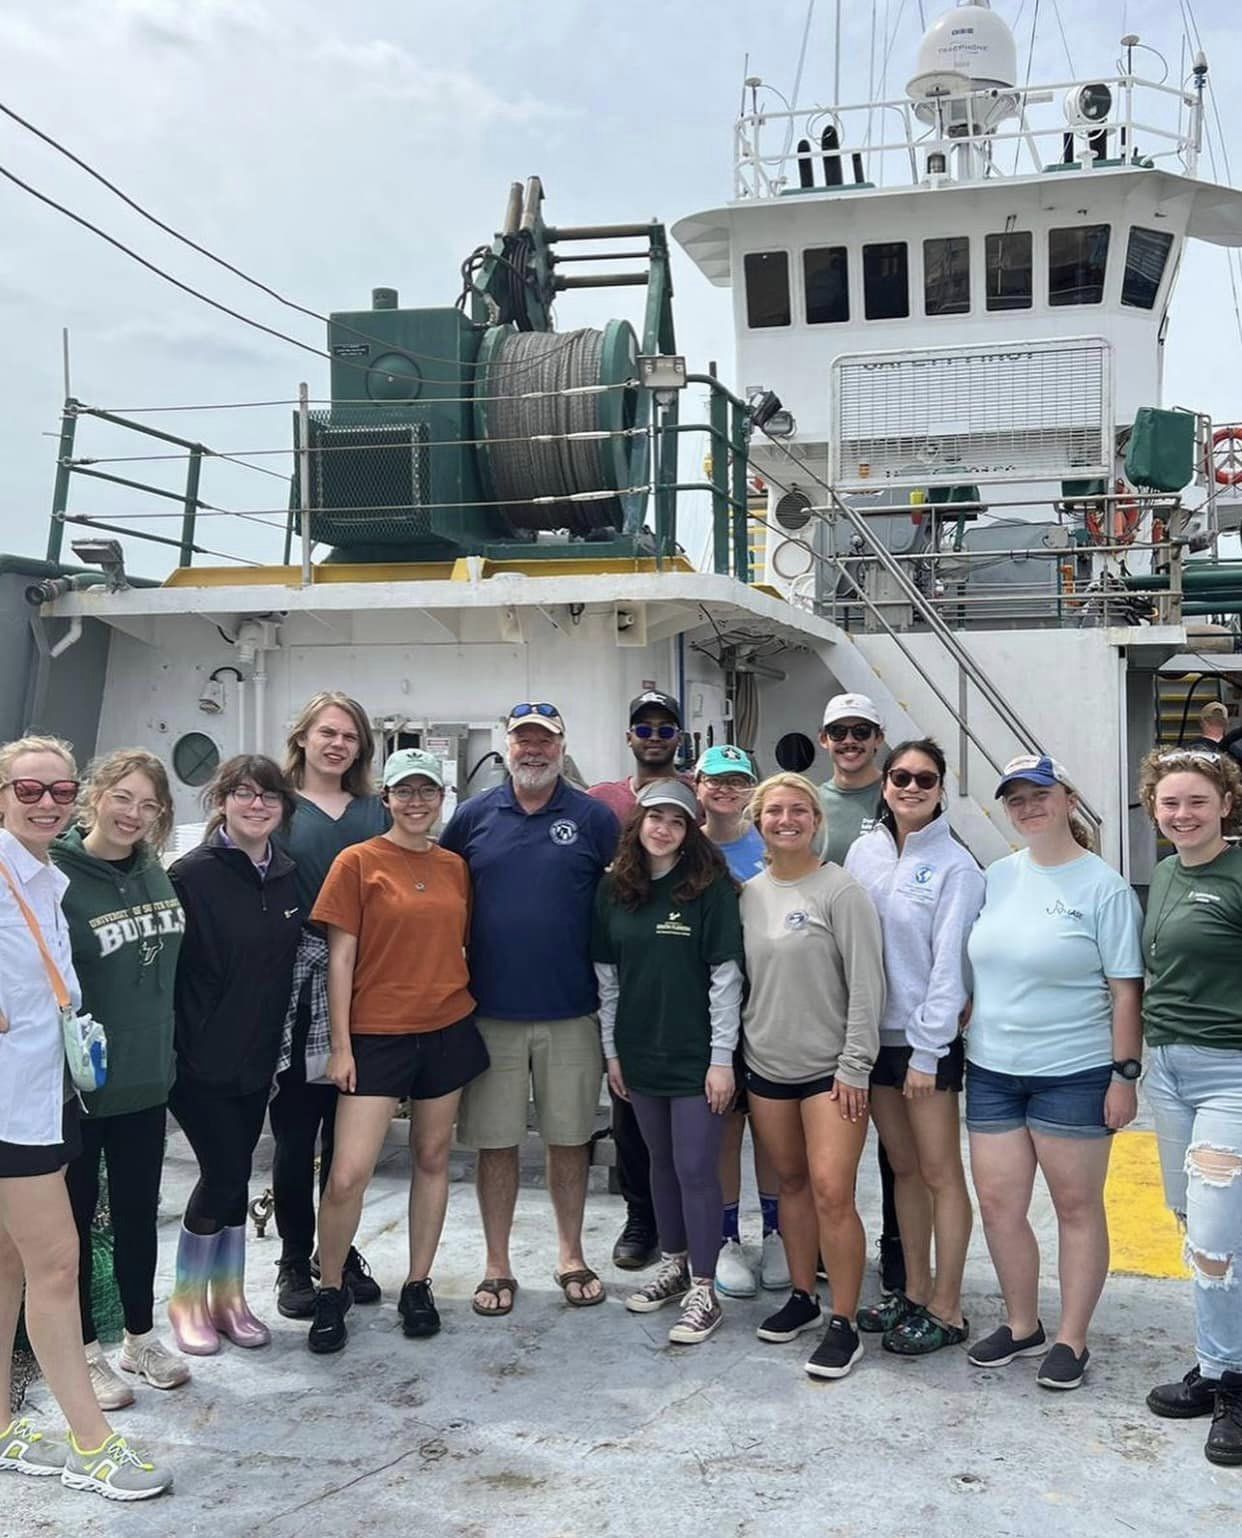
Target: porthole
x=195 y=758
x=795 y=752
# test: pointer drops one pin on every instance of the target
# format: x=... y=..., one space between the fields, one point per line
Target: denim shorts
x=1059 y=1105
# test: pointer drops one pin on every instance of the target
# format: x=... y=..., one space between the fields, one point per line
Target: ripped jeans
x=1196 y=1098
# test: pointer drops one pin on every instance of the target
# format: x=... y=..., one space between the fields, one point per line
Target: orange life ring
x=1227 y=465
x=1125 y=518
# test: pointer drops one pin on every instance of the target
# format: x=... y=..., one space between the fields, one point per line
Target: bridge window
x=1147 y=255
x=946 y=275
x=767 y=288
x=825 y=273
x=1007 y=258
x=1077 y=261
x=886 y=281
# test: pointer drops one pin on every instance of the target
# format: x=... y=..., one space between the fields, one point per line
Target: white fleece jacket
x=928 y=897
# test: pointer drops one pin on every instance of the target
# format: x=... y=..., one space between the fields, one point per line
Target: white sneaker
x=774 y=1268
x=110 y=1392
x=150 y=1358
x=734 y=1276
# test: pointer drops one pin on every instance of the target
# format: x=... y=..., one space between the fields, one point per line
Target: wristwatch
x=1127 y=1069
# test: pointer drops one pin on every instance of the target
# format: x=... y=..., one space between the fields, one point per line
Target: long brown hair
x=259 y=770
x=357 y=779
x=699 y=865
x=106 y=773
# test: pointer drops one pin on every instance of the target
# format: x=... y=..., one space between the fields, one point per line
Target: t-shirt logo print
x=798 y=919
x=673 y=925
x=924 y=874
x=563 y=831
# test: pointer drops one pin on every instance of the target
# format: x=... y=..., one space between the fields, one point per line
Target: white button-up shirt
x=32 y=1051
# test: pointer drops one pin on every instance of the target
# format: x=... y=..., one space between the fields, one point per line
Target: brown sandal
x=565 y=1279
x=494 y=1286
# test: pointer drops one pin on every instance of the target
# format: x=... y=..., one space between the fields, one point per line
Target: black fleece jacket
x=236 y=965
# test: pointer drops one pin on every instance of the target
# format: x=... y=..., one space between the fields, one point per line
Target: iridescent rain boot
x=230 y=1313
x=187 y=1308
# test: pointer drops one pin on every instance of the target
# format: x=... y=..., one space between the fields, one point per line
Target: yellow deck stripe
x=1144 y=1233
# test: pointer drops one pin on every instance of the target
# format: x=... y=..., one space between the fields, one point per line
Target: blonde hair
x=1219 y=769
x=104 y=774
x=10 y=752
x=1213 y=711
x=786 y=781
x=357 y=778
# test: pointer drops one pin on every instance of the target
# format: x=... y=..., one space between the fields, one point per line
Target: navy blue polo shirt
x=533 y=876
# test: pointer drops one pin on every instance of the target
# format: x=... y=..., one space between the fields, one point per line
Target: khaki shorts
x=560 y=1060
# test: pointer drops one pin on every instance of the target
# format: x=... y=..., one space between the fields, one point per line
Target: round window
x=195 y=758
x=795 y=752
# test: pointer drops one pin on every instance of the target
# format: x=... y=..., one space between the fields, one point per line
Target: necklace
x=1171 y=898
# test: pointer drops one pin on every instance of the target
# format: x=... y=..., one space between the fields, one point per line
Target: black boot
x=1224 y=1440
x=1194 y=1395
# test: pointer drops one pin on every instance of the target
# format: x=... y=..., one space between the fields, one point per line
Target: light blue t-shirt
x=744 y=856
x=1042 y=950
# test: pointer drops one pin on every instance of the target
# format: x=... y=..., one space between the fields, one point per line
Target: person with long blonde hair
x=39 y=1136
x=328 y=761
x=125 y=924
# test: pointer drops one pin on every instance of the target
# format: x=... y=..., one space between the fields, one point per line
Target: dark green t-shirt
x=313 y=840
x=1192 y=948
x=664 y=952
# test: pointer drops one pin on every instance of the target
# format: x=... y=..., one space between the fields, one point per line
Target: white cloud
x=391 y=72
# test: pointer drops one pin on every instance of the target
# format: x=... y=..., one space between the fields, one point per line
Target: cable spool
x=526 y=452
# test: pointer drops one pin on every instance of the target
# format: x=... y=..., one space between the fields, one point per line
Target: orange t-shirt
x=411 y=913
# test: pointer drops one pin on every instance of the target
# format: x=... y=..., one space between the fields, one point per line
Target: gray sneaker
x=701 y=1316
x=114 y=1471
x=27 y=1451
x=669 y=1285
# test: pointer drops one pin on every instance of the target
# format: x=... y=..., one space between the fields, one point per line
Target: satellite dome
x=969 y=48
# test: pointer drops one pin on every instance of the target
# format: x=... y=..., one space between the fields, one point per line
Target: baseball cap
x=669 y=793
x=537 y=714
x=725 y=759
x=845 y=707
x=408 y=761
x=654 y=699
x=1036 y=769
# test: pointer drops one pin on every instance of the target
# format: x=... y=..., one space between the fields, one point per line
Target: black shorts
x=421 y=1066
x=774 y=1089
x=25 y=1159
x=739 y=1080
x=890 y=1068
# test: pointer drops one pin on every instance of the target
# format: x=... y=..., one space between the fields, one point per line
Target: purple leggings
x=683 y=1138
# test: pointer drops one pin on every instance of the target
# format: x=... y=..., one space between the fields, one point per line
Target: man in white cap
x=853 y=735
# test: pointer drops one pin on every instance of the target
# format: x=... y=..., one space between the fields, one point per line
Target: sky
x=329 y=149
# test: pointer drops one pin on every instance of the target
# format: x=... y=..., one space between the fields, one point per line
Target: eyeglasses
x=925 y=779
x=541 y=708
x=737 y=782
x=666 y=731
x=245 y=794
x=404 y=794
x=124 y=802
x=860 y=731
x=31 y=792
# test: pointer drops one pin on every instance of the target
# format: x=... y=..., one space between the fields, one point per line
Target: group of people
x=798 y=959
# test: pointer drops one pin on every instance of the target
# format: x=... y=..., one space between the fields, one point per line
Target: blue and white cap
x=1035 y=769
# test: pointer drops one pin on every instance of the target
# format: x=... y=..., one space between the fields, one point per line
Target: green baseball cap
x=725 y=759
x=406 y=762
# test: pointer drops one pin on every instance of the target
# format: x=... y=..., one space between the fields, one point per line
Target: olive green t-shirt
x=1192 y=948
x=848 y=814
x=664 y=952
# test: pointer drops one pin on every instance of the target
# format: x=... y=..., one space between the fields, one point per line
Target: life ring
x=1227 y=463
x=1124 y=522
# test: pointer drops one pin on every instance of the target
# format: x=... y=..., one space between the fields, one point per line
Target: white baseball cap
x=852 y=707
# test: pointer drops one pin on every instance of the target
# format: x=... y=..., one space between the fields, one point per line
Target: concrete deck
x=556 y=1423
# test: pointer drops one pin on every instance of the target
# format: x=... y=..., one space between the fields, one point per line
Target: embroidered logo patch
x=563 y=831
x=798 y=919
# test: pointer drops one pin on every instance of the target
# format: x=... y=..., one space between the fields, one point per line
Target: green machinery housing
x=476 y=428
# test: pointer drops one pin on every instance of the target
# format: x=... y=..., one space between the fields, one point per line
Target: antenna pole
x=64 y=358
x=836 y=57
x=304 y=478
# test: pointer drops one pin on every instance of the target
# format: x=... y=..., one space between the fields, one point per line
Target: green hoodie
x=126 y=928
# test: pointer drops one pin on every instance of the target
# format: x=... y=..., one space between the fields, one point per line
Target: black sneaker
x=1194 y=1395
x=327 y=1331
x=1224 y=1440
x=1062 y=1368
x=637 y=1246
x=999 y=1348
x=801 y=1312
x=295 y=1289
x=837 y=1352
x=417 y=1307
x=357 y=1273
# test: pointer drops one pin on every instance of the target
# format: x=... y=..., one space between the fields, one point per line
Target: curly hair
x=700 y=864
x=357 y=779
x=258 y=770
x=106 y=773
x=1219 y=769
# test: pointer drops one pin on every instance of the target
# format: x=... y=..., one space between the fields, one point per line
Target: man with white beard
x=536 y=848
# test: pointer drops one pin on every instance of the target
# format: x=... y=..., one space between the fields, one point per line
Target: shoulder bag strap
x=53 y=971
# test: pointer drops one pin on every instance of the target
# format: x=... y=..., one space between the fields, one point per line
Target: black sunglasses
x=925 y=779
x=860 y=731
x=666 y=731
x=542 y=708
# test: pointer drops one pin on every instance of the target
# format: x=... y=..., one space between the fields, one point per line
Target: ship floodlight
x=106 y=554
x=781 y=424
x=1088 y=105
x=765 y=407
x=662 y=371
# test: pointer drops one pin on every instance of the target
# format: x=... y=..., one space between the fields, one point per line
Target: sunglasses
x=925 y=779
x=31 y=792
x=542 y=708
x=666 y=731
x=860 y=731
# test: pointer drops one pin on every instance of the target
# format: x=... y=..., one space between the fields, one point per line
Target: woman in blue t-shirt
x=1053 y=1055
